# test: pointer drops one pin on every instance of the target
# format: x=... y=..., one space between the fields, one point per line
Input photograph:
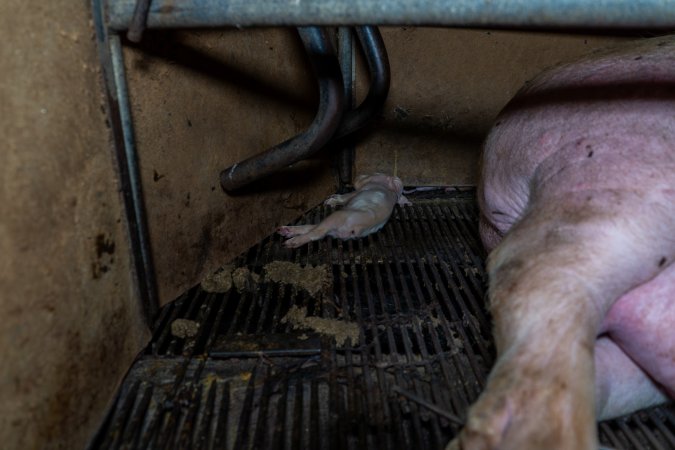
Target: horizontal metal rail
x=622 y=14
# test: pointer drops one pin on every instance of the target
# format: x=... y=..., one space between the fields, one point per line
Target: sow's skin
x=578 y=177
x=366 y=211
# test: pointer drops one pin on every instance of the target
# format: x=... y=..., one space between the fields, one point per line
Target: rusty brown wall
x=447 y=87
x=69 y=323
x=201 y=102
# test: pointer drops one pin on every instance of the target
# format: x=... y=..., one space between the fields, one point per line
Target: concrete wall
x=70 y=324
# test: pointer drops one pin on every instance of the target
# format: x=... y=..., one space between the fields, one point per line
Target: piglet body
x=366 y=211
x=577 y=199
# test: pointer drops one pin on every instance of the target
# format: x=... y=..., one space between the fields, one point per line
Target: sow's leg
x=553 y=279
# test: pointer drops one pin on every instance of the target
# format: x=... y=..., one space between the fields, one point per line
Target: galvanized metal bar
x=337 y=431
x=280 y=421
x=162 y=340
x=314 y=428
x=221 y=438
x=224 y=300
x=139 y=416
x=185 y=428
x=248 y=408
x=123 y=408
x=464 y=13
x=138 y=223
x=203 y=435
x=296 y=420
x=261 y=433
x=118 y=109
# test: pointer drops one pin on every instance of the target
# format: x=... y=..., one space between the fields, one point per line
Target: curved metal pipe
x=331 y=99
x=380 y=75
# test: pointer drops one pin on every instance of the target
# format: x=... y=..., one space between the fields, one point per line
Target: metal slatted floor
x=245 y=377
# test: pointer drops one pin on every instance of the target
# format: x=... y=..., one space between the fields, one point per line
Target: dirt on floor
x=228 y=276
x=315 y=280
x=339 y=329
x=245 y=280
x=218 y=281
x=184 y=328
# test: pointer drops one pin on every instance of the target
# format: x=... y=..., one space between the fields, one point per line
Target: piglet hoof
x=285 y=231
x=295 y=242
x=290 y=231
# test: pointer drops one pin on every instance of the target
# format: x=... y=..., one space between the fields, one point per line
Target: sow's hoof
x=528 y=406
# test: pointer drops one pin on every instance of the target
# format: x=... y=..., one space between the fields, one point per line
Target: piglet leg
x=315 y=233
x=337 y=224
x=339 y=199
x=552 y=280
x=297 y=230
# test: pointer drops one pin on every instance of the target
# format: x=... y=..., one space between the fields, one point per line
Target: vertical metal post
x=132 y=187
x=129 y=178
x=346 y=56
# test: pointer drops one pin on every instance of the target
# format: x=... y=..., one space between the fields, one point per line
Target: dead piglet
x=366 y=211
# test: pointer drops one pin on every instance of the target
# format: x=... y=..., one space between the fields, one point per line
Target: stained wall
x=70 y=324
